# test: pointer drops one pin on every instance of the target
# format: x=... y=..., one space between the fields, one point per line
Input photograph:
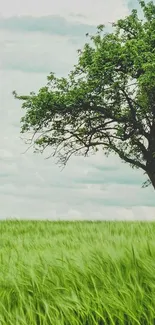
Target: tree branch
x=129 y=160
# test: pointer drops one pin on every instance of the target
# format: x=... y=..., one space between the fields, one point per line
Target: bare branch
x=129 y=160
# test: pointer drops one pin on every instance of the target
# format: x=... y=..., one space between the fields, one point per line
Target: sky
x=37 y=37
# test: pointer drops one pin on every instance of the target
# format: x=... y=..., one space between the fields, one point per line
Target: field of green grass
x=77 y=273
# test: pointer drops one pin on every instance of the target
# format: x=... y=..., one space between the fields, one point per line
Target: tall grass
x=77 y=273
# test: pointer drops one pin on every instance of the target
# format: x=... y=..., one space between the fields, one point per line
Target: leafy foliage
x=107 y=101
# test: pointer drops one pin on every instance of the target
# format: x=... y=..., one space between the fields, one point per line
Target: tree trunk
x=152 y=178
x=150 y=170
x=150 y=164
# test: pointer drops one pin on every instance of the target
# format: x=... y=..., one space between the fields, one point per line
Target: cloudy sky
x=37 y=37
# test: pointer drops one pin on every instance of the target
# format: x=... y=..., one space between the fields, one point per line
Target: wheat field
x=77 y=273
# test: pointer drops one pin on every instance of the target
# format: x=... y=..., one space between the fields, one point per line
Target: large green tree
x=107 y=101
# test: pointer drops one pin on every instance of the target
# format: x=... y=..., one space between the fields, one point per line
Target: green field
x=77 y=273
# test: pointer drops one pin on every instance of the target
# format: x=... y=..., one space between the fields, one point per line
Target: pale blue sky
x=36 y=38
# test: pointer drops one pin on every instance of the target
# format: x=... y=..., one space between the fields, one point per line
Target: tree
x=107 y=101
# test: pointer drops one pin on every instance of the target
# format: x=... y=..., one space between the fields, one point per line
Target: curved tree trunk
x=150 y=170
x=150 y=164
x=152 y=178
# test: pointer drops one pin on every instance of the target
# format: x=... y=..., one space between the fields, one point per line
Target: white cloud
x=93 y=12
x=37 y=52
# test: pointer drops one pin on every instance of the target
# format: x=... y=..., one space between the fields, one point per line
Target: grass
x=77 y=273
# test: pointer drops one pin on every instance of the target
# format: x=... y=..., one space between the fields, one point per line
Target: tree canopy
x=107 y=101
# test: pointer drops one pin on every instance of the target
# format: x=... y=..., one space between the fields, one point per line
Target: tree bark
x=150 y=170
x=152 y=179
x=150 y=164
